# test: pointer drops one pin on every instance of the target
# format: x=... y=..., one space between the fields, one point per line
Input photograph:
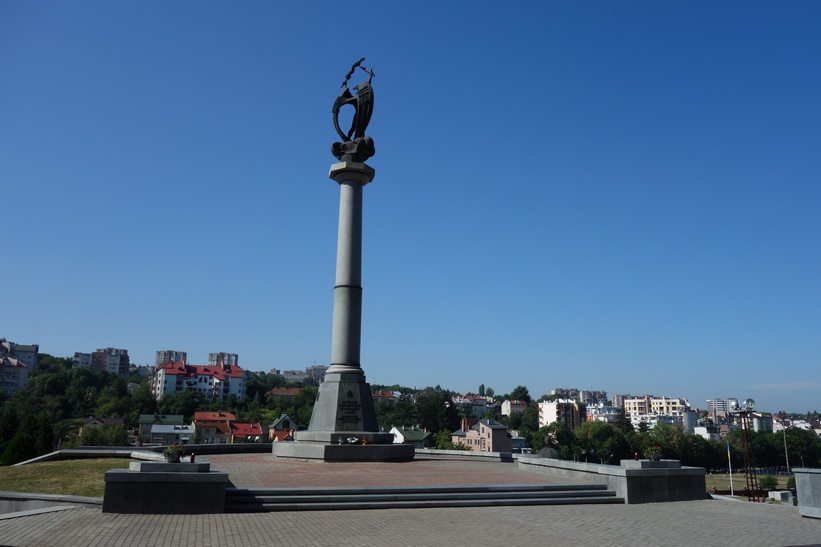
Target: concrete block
x=164 y=492
x=808 y=488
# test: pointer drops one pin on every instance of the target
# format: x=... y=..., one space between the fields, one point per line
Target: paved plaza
x=702 y=523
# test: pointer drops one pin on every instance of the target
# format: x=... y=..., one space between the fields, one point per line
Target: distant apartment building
x=513 y=407
x=659 y=405
x=602 y=413
x=561 y=410
x=314 y=374
x=26 y=353
x=472 y=406
x=219 y=359
x=294 y=375
x=570 y=394
x=113 y=360
x=13 y=374
x=171 y=356
x=213 y=382
x=16 y=362
x=484 y=436
x=593 y=397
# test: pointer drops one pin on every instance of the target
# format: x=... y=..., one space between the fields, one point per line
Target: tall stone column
x=344 y=406
x=347 y=322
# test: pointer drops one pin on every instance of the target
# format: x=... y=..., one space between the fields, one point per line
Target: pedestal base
x=306 y=450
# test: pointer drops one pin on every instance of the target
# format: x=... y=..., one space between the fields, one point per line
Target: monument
x=343 y=424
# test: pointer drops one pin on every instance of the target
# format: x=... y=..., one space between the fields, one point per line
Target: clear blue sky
x=605 y=195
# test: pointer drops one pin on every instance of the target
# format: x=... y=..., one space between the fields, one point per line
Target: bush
x=791 y=482
x=768 y=482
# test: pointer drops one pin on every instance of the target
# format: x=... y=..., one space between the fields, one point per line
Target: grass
x=67 y=477
x=722 y=482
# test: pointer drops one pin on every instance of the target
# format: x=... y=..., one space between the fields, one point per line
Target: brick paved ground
x=701 y=523
x=264 y=470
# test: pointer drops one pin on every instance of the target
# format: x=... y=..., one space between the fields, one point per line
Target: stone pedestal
x=165 y=488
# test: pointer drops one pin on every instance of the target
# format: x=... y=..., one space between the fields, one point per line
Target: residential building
x=13 y=374
x=282 y=429
x=385 y=397
x=593 y=397
x=412 y=435
x=146 y=421
x=171 y=434
x=602 y=413
x=113 y=360
x=213 y=427
x=171 y=356
x=284 y=393
x=214 y=382
x=561 y=410
x=568 y=394
x=484 y=436
x=471 y=406
x=246 y=433
x=295 y=375
x=316 y=373
x=81 y=360
x=220 y=359
x=25 y=353
x=513 y=407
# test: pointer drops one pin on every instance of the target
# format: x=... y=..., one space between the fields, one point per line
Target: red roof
x=12 y=362
x=282 y=434
x=213 y=416
x=245 y=430
x=284 y=391
x=384 y=394
x=188 y=371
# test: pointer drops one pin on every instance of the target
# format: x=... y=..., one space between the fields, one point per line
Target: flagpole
x=730 y=465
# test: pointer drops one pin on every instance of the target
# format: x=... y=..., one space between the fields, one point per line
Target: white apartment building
x=561 y=410
x=213 y=382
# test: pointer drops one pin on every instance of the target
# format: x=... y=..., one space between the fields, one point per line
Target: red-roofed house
x=284 y=393
x=219 y=416
x=215 y=382
x=244 y=432
x=213 y=427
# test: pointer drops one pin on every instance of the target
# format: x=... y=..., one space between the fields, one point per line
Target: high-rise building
x=113 y=360
x=219 y=359
x=171 y=356
x=16 y=362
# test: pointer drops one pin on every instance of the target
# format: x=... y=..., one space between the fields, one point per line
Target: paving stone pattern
x=699 y=523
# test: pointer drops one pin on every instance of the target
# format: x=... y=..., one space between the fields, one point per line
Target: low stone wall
x=465 y=455
x=808 y=488
x=637 y=481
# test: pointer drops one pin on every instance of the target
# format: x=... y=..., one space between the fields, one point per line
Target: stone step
x=246 y=500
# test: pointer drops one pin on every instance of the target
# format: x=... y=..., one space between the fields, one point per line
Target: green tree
x=520 y=394
x=436 y=410
x=602 y=441
x=20 y=448
x=768 y=482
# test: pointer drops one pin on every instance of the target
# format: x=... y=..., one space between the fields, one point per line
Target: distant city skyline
x=619 y=196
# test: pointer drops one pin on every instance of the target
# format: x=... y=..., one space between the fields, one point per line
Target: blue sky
x=605 y=195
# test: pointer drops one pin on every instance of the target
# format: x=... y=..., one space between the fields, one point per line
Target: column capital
x=351 y=171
